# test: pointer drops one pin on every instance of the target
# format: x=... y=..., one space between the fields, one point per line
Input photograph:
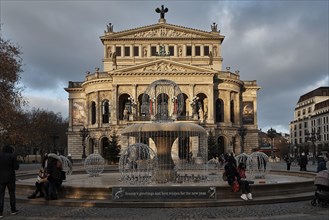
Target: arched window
x=93 y=112
x=105 y=111
x=219 y=110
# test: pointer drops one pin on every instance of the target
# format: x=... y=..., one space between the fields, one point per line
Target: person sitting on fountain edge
x=244 y=183
x=233 y=173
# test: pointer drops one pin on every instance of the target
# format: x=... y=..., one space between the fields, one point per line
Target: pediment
x=163 y=67
x=162 y=30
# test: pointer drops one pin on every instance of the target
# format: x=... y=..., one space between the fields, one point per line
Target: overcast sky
x=281 y=44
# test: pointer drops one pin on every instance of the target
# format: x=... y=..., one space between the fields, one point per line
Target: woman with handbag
x=234 y=179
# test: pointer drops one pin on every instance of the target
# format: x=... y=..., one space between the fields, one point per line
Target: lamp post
x=313 y=137
x=271 y=134
x=84 y=132
x=242 y=131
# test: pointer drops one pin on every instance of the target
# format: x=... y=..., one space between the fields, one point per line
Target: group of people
x=50 y=178
x=303 y=161
x=235 y=175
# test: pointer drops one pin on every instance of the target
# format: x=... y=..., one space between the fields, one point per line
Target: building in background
x=309 y=131
x=111 y=99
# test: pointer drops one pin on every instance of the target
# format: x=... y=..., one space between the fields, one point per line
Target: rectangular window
x=153 y=51
x=136 y=51
x=206 y=50
x=171 y=51
x=127 y=51
x=309 y=109
x=189 y=51
x=300 y=125
x=305 y=124
x=118 y=51
x=298 y=113
x=197 y=51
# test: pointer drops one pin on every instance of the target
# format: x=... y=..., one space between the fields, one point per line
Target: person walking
x=8 y=165
x=303 y=162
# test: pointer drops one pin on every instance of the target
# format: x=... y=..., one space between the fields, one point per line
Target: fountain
x=163 y=103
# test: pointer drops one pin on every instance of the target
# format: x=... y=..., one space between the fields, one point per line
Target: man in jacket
x=8 y=165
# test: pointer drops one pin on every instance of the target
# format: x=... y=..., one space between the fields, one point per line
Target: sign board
x=156 y=193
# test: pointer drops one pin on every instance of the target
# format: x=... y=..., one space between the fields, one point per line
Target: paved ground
x=283 y=211
x=297 y=210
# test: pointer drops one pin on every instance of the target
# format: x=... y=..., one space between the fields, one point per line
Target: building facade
x=309 y=131
x=111 y=99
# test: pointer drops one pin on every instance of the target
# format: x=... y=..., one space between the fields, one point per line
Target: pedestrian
x=8 y=165
x=288 y=162
x=69 y=156
x=303 y=162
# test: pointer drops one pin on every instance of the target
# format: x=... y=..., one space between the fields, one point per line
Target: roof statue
x=162 y=11
x=214 y=27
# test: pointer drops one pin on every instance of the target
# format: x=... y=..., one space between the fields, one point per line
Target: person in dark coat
x=303 y=162
x=8 y=165
x=54 y=168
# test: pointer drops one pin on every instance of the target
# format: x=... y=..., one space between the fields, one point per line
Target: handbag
x=235 y=186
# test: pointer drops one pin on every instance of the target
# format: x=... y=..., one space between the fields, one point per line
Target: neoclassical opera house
x=111 y=99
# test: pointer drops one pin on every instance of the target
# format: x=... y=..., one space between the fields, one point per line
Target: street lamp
x=242 y=131
x=271 y=134
x=313 y=137
x=84 y=132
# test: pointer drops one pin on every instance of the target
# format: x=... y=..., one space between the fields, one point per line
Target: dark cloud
x=281 y=44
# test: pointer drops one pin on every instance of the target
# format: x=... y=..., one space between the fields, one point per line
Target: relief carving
x=163 y=67
x=163 y=32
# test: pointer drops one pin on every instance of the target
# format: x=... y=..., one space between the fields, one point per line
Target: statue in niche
x=210 y=58
x=215 y=51
x=201 y=114
x=205 y=106
x=180 y=51
x=114 y=60
x=109 y=52
x=145 y=52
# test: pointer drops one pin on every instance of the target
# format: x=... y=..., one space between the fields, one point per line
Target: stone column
x=140 y=51
x=202 y=50
x=148 y=50
x=175 y=50
x=211 y=103
x=226 y=100
x=115 y=104
x=70 y=112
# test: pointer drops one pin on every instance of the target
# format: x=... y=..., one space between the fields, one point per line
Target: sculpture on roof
x=109 y=27
x=162 y=11
x=214 y=27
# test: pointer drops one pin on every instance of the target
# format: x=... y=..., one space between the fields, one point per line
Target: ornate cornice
x=162 y=31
